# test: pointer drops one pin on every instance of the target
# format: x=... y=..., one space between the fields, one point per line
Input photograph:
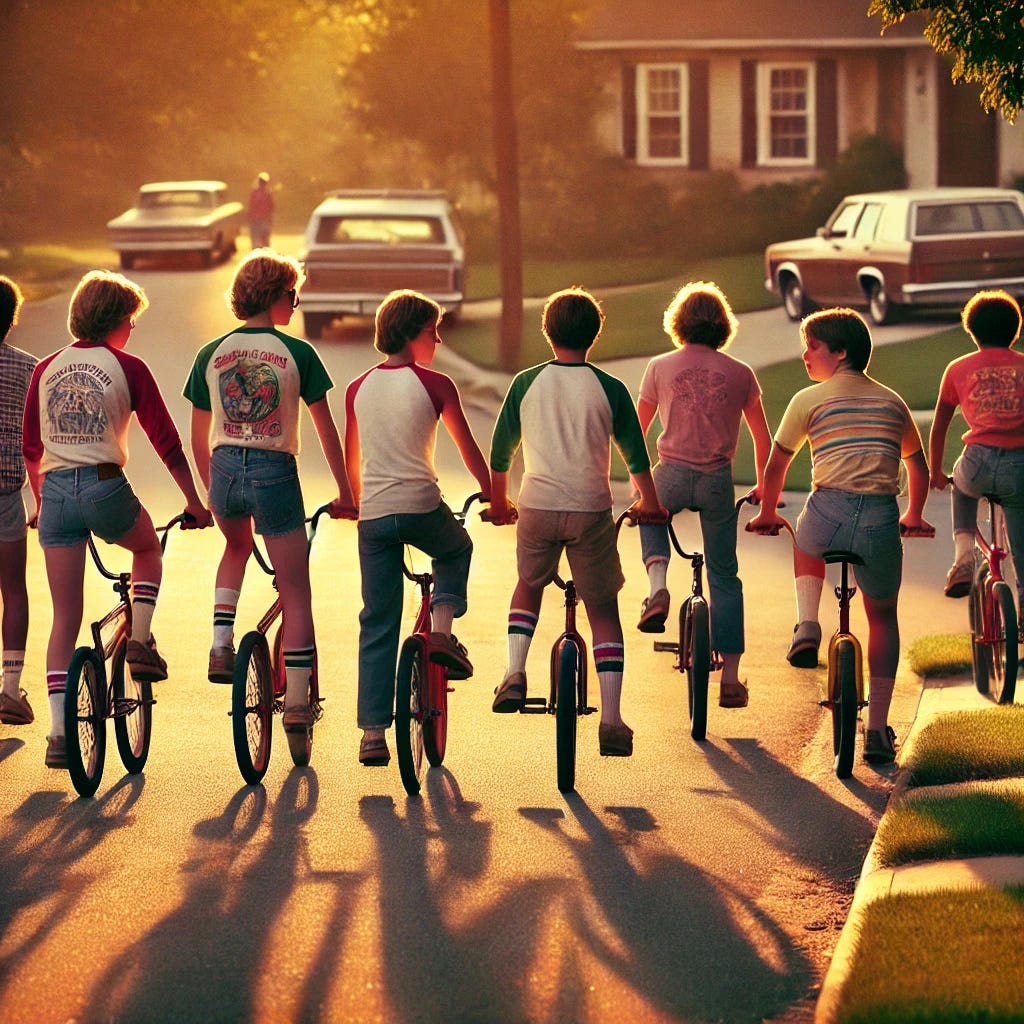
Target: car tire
x=314 y=324
x=880 y=307
x=127 y=261
x=793 y=298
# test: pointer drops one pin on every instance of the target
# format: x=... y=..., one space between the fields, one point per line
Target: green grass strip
x=946 y=654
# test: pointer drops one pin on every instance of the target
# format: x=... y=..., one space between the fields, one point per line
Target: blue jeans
x=381 y=551
x=257 y=482
x=77 y=502
x=711 y=495
x=982 y=470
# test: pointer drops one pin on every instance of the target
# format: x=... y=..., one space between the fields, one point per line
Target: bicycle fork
x=844 y=592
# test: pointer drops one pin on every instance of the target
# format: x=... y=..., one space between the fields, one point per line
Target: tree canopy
x=985 y=38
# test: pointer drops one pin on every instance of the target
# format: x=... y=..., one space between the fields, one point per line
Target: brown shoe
x=958 y=579
x=654 y=612
x=298 y=718
x=373 y=751
x=15 y=710
x=615 y=740
x=510 y=696
x=56 y=752
x=145 y=662
x=222 y=665
x=446 y=650
x=733 y=695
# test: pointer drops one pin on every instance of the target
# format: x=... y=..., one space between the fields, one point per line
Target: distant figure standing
x=261 y=211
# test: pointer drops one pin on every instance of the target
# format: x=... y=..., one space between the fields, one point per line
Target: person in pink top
x=79 y=407
x=988 y=386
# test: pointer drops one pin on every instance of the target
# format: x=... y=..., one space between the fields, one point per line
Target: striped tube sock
x=56 y=683
x=14 y=664
x=657 y=574
x=298 y=667
x=879 y=699
x=608 y=658
x=521 y=627
x=225 y=606
x=144 y=596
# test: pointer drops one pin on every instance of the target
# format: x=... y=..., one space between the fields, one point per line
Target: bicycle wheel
x=252 y=707
x=84 y=720
x=133 y=713
x=565 y=715
x=1002 y=643
x=695 y=637
x=843 y=691
x=300 y=744
x=410 y=697
x=979 y=651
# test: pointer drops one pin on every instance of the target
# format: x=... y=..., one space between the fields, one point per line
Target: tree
x=984 y=37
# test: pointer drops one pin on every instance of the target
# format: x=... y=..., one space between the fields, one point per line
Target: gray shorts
x=91 y=499
x=588 y=539
x=260 y=483
x=13 y=525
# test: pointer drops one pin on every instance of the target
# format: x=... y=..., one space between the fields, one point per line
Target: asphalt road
x=689 y=882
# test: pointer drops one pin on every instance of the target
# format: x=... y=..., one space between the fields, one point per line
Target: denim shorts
x=77 y=502
x=260 y=483
x=13 y=525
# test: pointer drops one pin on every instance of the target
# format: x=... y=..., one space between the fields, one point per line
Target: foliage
x=984 y=37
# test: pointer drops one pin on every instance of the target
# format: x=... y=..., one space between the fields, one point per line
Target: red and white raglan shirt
x=396 y=410
x=80 y=404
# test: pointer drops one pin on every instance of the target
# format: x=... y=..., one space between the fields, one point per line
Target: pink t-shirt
x=700 y=394
x=988 y=385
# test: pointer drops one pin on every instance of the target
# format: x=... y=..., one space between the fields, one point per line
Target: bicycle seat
x=849 y=557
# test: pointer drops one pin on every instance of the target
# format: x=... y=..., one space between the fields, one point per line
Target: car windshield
x=194 y=199
x=380 y=230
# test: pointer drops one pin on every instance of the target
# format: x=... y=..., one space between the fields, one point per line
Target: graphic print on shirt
x=250 y=394
x=996 y=393
x=698 y=390
x=74 y=408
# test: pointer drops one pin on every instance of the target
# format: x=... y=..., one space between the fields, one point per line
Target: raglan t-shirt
x=988 y=385
x=15 y=378
x=252 y=380
x=565 y=415
x=700 y=394
x=858 y=429
x=79 y=407
x=395 y=410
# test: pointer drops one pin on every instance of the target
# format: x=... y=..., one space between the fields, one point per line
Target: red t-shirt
x=988 y=385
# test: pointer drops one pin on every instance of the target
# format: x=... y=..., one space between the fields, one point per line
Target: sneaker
x=145 y=662
x=373 y=750
x=880 y=745
x=615 y=740
x=733 y=695
x=958 y=579
x=654 y=612
x=298 y=718
x=15 y=710
x=510 y=696
x=446 y=650
x=56 y=752
x=222 y=665
x=803 y=648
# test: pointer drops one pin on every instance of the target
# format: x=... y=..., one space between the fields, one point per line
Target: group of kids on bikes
x=64 y=421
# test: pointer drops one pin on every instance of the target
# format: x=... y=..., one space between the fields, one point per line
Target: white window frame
x=764 y=115
x=643 y=113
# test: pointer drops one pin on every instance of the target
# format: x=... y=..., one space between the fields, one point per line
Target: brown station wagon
x=893 y=250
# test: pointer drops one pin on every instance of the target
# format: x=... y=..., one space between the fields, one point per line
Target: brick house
x=774 y=90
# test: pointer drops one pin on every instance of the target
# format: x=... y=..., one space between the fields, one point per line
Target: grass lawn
x=947 y=654
x=44 y=270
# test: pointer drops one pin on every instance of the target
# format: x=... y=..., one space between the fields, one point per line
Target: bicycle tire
x=696 y=637
x=133 y=712
x=1002 y=651
x=300 y=744
x=566 y=715
x=979 y=651
x=411 y=684
x=252 y=707
x=85 y=720
x=844 y=707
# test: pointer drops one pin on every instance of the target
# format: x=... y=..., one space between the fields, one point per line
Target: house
x=774 y=90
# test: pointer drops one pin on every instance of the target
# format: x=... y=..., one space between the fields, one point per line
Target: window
x=845 y=220
x=865 y=231
x=786 y=114
x=662 y=99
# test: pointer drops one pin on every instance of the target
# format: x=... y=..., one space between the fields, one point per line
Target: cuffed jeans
x=711 y=496
x=381 y=551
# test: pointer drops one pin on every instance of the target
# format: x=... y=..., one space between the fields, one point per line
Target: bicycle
x=259 y=684
x=992 y=612
x=101 y=693
x=694 y=652
x=421 y=687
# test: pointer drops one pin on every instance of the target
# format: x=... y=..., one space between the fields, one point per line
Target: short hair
x=992 y=318
x=10 y=305
x=400 y=317
x=102 y=302
x=261 y=278
x=840 y=329
x=700 y=314
x=572 y=319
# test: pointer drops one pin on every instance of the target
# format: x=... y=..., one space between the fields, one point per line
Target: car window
x=946 y=219
x=161 y=200
x=843 y=222
x=1004 y=216
x=865 y=230
x=380 y=230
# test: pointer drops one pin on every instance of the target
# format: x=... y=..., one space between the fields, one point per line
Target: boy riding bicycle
x=565 y=413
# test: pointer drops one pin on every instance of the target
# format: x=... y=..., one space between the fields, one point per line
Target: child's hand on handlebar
x=916 y=528
x=766 y=523
x=341 y=509
x=500 y=514
x=639 y=513
x=197 y=517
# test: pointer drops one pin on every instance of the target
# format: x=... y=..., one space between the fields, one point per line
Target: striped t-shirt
x=858 y=430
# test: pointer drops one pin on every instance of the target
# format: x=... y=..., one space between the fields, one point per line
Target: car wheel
x=315 y=323
x=127 y=261
x=793 y=298
x=880 y=309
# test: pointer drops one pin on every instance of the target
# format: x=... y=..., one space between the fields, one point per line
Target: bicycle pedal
x=534 y=706
x=667 y=645
x=587 y=711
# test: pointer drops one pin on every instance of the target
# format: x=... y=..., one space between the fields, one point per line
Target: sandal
x=733 y=695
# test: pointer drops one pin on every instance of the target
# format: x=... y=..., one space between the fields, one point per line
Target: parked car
x=362 y=244
x=893 y=250
x=178 y=216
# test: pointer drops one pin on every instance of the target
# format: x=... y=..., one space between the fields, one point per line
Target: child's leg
x=523 y=613
x=883 y=657
x=606 y=630
x=809 y=578
x=147 y=571
x=65 y=572
x=289 y=557
x=237 y=532
x=718 y=518
x=14 y=631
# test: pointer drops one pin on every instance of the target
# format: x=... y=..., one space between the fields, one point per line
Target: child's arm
x=454 y=418
x=501 y=512
x=181 y=473
x=199 y=438
x=768 y=519
x=911 y=522
x=646 y=411
x=757 y=424
x=344 y=506
x=937 y=443
x=648 y=506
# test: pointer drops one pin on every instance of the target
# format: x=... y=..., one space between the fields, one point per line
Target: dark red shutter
x=748 y=113
x=699 y=115
x=827 y=112
x=629 y=111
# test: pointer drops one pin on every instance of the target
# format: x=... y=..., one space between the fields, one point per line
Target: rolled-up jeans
x=381 y=551
x=711 y=495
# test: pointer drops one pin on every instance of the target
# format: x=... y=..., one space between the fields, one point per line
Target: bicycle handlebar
x=314 y=521
x=164 y=531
